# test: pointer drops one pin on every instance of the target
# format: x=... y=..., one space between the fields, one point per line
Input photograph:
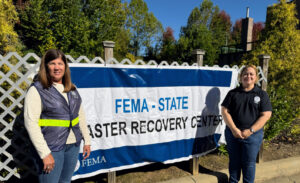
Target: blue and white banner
x=138 y=115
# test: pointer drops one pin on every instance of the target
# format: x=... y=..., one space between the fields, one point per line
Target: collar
x=58 y=86
x=255 y=89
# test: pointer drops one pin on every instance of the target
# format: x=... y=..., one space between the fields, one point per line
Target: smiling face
x=249 y=77
x=56 y=69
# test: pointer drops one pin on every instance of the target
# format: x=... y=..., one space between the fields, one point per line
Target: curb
x=264 y=171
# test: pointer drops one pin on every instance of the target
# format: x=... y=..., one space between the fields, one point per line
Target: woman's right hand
x=237 y=133
x=49 y=163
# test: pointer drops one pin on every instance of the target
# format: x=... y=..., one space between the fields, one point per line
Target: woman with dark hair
x=245 y=110
x=55 y=120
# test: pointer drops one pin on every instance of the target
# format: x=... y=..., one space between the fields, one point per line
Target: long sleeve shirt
x=32 y=112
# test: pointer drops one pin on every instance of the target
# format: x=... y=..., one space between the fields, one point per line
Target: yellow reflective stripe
x=75 y=121
x=54 y=122
x=57 y=122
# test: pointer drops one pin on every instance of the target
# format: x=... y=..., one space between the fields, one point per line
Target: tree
x=76 y=27
x=281 y=40
x=207 y=10
x=107 y=20
x=199 y=33
x=122 y=39
x=33 y=28
x=145 y=29
x=9 y=40
x=220 y=27
x=257 y=29
x=54 y=24
x=196 y=37
x=236 y=32
x=168 y=46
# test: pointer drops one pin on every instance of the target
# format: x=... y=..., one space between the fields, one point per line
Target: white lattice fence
x=16 y=75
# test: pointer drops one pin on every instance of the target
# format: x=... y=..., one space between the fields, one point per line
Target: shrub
x=283 y=115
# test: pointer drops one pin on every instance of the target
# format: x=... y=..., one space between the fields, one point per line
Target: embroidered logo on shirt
x=256 y=99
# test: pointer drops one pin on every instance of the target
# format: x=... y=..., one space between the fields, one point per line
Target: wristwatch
x=251 y=130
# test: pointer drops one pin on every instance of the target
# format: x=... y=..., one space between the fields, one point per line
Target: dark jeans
x=242 y=155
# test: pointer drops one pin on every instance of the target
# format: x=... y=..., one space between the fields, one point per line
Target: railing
x=237 y=48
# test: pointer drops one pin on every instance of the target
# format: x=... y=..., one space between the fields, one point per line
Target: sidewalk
x=264 y=171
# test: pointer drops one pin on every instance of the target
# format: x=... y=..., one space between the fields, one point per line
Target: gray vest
x=58 y=117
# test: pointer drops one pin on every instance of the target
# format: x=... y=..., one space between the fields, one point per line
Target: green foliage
x=168 y=46
x=130 y=57
x=122 y=44
x=144 y=28
x=295 y=130
x=207 y=28
x=9 y=40
x=76 y=27
x=220 y=27
x=195 y=37
x=54 y=24
x=283 y=113
x=33 y=28
x=281 y=40
x=79 y=27
x=222 y=150
x=106 y=23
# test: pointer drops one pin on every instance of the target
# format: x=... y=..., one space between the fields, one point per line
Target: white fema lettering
x=93 y=161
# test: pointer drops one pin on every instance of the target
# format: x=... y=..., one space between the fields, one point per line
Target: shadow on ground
x=222 y=177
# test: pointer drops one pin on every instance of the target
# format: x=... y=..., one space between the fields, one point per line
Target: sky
x=175 y=13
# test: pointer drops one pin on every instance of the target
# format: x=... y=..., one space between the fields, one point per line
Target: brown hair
x=43 y=75
x=245 y=68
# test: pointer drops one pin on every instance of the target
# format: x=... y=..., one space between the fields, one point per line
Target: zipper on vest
x=70 y=111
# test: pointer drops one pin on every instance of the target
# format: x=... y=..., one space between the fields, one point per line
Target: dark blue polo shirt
x=245 y=107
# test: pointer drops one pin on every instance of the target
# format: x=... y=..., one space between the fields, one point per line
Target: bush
x=284 y=113
x=222 y=150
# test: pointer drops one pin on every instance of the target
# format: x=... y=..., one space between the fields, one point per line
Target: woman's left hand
x=246 y=133
x=86 y=151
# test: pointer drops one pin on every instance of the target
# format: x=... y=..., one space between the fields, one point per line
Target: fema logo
x=74 y=94
x=256 y=99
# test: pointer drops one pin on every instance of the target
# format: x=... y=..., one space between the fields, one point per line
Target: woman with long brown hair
x=55 y=120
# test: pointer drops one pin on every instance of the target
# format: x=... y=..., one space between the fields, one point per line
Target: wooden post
x=199 y=56
x=264 y=64
x=111 y=177
x=194 y=163
x=109 y=53
x=108 y=50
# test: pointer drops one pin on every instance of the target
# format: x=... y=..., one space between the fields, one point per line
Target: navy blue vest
x=58 y=117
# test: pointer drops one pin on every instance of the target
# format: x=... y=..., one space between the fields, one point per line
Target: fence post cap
x=198 y=52
x=264 y=56
x=108 y=44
